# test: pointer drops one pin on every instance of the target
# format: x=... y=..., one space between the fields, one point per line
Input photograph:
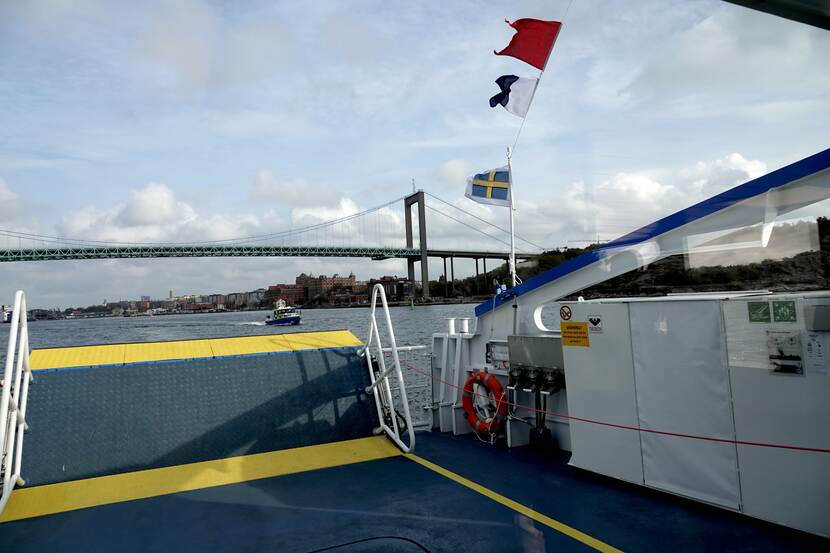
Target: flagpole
x=512 y=261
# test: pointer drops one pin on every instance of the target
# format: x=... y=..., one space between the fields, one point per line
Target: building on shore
x=396 y=289
x=292 y=294
x=322 y=285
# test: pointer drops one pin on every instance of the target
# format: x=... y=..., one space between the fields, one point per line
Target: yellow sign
x=574 y=334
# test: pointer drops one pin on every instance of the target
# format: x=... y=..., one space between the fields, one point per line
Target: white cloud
x=312 y=215
x=627 y=201
x=154 y=214
x=292 y=192
x=11 y=206
x=719 y=175
x=453 y=173
x=340 y=114
x=8 y=199
x=155 y=204
x=728 y=57
x=199 y=49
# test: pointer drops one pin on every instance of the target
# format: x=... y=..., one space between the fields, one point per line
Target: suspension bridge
x=373 y=233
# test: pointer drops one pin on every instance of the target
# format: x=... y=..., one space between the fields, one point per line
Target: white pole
x=512 y=261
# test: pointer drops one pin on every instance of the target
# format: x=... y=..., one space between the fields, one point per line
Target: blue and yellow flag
x=491 y=187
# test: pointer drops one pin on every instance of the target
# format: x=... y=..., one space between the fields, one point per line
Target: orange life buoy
x=493 y=386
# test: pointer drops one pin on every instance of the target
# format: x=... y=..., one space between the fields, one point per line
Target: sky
x=187 y=120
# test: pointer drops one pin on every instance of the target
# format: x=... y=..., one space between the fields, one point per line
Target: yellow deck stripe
x=516 y=506
x=103 y=490
x=117 y=354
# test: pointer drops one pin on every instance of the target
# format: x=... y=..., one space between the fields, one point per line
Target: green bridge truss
x=137 y=252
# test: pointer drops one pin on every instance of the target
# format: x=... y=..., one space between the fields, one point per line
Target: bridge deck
x=184 y=250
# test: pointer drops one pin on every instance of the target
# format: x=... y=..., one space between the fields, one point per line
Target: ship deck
x=265 y=444
x=456 y=494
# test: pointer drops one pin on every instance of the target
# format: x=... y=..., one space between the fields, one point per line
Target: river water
x=412 y=326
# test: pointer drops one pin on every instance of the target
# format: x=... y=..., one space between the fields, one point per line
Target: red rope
x=630 y=427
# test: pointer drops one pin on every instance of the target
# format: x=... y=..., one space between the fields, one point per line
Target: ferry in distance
x=284 y=315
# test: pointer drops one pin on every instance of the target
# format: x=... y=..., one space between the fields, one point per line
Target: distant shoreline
x=463 y=301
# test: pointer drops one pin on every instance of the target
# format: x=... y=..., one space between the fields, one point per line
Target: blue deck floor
x=395 y=504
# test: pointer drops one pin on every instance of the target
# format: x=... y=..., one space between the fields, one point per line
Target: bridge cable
x=474 y=216
x=470 y=226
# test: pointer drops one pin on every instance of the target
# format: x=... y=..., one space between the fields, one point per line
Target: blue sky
x=184 y=120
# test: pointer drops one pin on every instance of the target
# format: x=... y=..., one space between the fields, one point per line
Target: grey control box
x=817 y=318
x=543 y=352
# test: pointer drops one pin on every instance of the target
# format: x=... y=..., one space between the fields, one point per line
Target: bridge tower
x=417 y=198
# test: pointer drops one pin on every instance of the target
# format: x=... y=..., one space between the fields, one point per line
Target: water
x=412 y=326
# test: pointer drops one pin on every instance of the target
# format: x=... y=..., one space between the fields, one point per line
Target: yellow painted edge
x=516 y=506
x=82 y=356
x=102 y=490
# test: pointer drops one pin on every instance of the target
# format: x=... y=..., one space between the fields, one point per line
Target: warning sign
x=574 y=334
x=565 y=313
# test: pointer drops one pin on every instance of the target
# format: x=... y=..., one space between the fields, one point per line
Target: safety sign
x=759 y=312
x=574 y=334
x=783 y=311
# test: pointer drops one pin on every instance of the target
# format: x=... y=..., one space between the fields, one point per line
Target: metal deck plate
x=95 y=421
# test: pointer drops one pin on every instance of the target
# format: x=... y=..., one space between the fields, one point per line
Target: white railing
x=380 y=386
x=15 y=391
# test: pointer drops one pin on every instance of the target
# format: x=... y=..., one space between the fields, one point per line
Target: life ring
x=491 y=424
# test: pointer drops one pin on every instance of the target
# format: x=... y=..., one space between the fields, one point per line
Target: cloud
x=629 y=200
x=453 y=173
x=614 y=206
x=155 y=204
x=198 y=49
x=197 y=92
x=12 y=207
x=292 y=192
x=154 y=214
x=308 y=215
x=714 y=177
x=728 y=56
x=8 y=199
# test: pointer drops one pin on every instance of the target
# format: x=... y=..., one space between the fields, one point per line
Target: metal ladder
x=15 y=392
x=379 y=374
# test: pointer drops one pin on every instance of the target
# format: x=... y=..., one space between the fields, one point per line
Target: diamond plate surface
x=94 y=421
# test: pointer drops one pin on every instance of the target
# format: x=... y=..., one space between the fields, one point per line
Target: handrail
x=379 y=387
x=15 y=392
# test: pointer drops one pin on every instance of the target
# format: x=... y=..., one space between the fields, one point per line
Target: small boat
x=284 y=315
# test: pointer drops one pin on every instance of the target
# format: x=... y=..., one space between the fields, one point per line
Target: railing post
x=379 y=386
x=13 y=401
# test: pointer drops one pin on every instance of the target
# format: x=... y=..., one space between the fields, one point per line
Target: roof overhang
x=811 y=12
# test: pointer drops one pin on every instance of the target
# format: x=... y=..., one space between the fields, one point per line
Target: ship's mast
x=512 y=261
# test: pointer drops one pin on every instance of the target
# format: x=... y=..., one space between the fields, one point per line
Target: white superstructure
x=719 y=397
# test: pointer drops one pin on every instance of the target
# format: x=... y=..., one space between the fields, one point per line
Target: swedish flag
x=491 y=187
